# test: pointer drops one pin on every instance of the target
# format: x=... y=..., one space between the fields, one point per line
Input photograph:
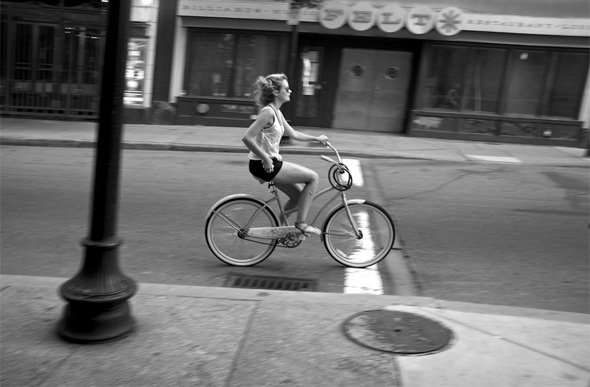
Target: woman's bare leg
x=291 y=174
x=293 y=191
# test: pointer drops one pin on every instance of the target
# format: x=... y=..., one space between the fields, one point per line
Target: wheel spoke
x=227 y=220
x=342 y=233
x=230 y=222
x=378 y=235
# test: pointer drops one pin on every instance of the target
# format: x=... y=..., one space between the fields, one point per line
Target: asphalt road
x=498 y=234
x=493 y=233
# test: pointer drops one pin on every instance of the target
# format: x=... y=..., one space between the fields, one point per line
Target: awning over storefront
x=534 y=8
x=448 y=17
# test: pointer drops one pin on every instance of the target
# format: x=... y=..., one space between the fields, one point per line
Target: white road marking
x=354 y=166
x=367 y=280
x=363 y=281
x=495 y=159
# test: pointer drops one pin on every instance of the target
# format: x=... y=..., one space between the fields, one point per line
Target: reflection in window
x=23 y=52
x=526 y=82
x=533 y=82
x=46 y=51
x=462 y=78
x=565 y=93
x=226 y=65
x=309 y=86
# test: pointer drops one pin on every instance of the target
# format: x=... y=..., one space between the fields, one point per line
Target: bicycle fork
x=357 y=232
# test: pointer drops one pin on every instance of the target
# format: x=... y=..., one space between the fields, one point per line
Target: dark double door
x=351 y=88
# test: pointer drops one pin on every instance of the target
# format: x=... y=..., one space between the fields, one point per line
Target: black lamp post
x=97 y=296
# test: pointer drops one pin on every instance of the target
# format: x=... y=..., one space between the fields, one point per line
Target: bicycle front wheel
x=376 y=240
x=225 y=228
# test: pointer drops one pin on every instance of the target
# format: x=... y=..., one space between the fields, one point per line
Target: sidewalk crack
x=242 y=345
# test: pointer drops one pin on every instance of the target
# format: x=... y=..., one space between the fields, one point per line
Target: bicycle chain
x=291 y=240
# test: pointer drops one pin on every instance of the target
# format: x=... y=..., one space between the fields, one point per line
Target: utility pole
x=293 y=20
x=97 y=296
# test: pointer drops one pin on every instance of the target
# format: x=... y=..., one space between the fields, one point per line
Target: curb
x=12 y=141
x=192 y=148
x=243 y=294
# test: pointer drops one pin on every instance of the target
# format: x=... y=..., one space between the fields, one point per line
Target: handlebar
x=328 y=159
x=339 y=175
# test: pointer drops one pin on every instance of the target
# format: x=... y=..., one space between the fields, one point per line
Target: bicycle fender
x=230 y=197
x=356 y=201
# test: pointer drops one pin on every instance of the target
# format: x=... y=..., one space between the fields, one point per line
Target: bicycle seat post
x=273 y=189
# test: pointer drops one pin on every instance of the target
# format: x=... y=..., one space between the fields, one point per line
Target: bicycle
x=243 y=230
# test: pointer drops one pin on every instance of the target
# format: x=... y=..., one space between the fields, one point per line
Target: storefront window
x=526 y=81
x=462 y=78
x=46 y=52
x=309 y=87
x=226 y=65
x=533 y=82
x=135 y=71
x=567 y=85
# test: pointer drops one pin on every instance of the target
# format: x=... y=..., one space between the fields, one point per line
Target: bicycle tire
x=226 y=243
x=376 y=226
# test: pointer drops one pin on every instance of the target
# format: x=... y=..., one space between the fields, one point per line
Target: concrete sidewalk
x=199 y=336
x=14 y=131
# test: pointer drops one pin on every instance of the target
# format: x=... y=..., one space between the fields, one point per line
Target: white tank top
x=269 y=139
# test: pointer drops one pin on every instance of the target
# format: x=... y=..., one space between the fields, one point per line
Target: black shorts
x=257 y=169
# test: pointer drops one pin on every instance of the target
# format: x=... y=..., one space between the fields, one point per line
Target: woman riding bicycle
x=266 y=163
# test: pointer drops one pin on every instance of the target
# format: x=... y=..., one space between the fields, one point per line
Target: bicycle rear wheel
x=377 y=229
x=224 y=231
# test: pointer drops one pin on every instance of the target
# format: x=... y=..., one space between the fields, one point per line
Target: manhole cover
x=270 y=283
x=398 y=332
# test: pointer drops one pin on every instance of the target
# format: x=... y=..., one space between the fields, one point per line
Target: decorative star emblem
x=449 y=21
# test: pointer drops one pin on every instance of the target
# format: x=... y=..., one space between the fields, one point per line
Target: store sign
x=527 y=25
x=449 y=21
x=245 y=9
x=420 y=20
x=135 y=71
x=361 y=16
x=390 y=18
x=333 y=15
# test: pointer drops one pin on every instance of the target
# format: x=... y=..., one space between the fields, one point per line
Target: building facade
x=488 y=70
x=501 y=70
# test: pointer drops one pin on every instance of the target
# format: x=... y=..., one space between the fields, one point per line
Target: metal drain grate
x=269 y=282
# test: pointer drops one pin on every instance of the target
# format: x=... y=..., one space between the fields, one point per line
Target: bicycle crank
x=292 y=239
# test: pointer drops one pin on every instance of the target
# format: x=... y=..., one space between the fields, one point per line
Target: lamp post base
x=95 y=323
x=98 y=308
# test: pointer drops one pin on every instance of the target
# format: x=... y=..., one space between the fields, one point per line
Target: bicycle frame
x=285 y=229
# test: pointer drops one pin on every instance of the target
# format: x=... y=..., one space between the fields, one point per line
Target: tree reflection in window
x=226 y=65
x=463 y=78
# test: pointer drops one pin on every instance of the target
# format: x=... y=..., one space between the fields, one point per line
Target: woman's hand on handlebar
x=322 y=139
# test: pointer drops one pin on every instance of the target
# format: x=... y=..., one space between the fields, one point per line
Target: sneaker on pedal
x=308 y=230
